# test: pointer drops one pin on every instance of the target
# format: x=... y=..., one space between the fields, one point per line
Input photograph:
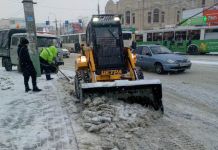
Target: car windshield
x=160 y=50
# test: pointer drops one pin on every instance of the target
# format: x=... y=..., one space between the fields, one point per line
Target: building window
x=127 y=17
x=149 y=17
x=156 y=16
x=178 y=16
x=203 y=3
x=133 y=18
x=162 y=17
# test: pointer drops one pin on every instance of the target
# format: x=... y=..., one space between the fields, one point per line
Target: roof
x=39 y=34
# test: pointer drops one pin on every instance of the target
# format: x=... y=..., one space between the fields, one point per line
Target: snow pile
x=6 y=83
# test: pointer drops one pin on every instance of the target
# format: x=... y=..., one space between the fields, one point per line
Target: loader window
x=107 y=32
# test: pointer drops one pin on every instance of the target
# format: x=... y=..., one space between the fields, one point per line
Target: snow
x=32 y=120
x=205 y=62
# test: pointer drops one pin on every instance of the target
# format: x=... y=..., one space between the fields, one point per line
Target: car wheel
x=159 y=68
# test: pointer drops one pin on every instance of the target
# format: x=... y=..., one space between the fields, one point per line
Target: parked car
x=160 y=59
x=65 y=53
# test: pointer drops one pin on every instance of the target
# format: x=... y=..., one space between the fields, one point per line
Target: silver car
x=160 y=59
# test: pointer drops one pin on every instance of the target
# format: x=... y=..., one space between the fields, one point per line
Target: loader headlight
x=116 y=19
x=83 y=59
x=95 y=19
x=170 y=61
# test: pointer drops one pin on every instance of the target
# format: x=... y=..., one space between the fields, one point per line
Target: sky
x=71 y=10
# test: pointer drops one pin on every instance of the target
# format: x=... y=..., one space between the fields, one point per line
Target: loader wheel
x=159 y=68
x=78 y=90
x=139 y=74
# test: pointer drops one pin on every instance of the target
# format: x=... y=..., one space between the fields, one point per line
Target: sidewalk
x=33 y=120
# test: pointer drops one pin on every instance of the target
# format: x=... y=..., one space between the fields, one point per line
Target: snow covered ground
x=32 y=120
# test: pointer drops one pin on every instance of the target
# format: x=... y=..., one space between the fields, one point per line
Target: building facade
x=12 y=23
x=151 y=14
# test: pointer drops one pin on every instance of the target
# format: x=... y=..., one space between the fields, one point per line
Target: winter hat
x=24 y=41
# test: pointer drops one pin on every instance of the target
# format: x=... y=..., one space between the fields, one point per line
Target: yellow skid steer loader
x=108 y=68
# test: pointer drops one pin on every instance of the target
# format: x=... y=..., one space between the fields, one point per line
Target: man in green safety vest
x=47 y=60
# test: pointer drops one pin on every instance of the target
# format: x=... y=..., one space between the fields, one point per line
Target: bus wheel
x=193 y=50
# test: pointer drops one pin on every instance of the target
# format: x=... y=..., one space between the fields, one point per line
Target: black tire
x=78 y=90
x=8 y=64
x=140 y=74
x=159 y=68
x=193 y=50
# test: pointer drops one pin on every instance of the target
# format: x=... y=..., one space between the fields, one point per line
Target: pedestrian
x=26 y=65
x=47 y=60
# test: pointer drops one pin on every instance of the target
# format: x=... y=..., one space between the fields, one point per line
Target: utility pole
x=98 y=8
x=31 y=34
x=56 y=26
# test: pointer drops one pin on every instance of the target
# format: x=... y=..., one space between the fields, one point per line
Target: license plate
x=111 y=72
x=183 y=64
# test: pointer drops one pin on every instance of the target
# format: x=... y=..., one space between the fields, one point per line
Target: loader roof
x=105 y=19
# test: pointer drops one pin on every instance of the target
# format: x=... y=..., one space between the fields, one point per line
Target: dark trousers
x=27 y=73
x=46 y=68
x=27 y=77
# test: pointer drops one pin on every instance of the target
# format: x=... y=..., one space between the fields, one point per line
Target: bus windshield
x=46 y=41
x=160 y=50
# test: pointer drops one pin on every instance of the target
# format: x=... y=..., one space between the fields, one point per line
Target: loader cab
x=104 y=35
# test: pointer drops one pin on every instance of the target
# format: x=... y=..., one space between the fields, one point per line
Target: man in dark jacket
x=26 y=65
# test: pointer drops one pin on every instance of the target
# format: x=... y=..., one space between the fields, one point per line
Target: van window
x=15 y=41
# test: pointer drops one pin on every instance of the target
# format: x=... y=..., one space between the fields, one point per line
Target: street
x=190 y=99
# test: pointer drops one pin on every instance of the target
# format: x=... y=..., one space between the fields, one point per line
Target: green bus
x=189 y=39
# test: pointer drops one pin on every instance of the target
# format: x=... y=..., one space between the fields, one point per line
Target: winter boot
x=27 y=88
x=36 y=89
x=48 y=77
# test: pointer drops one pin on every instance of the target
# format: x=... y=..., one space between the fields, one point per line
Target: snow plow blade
x=145 y=92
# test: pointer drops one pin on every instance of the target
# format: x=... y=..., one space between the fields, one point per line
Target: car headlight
x=170 y=61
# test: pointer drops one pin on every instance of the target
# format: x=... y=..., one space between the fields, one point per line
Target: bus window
x=180 y=36
x=157 y=36
x=193 y=35
x=139 y=38
x=127 y=36
x=83 y=37
x=74 y=38
x=211 y=34
x=168 y=36
x=149 y=37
